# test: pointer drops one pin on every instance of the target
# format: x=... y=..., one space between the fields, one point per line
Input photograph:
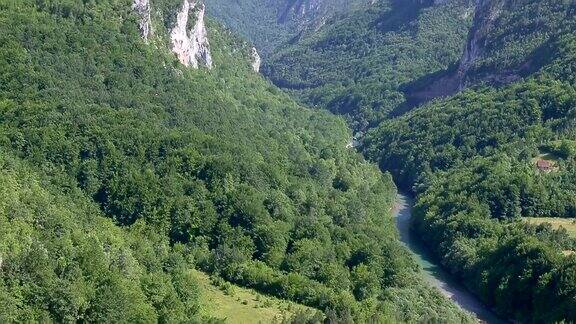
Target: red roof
x=544 y=165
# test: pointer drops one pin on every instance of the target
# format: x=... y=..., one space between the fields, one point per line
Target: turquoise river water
x=432 y=272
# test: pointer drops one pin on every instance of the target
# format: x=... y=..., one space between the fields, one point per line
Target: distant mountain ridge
x=270 y=23
x=356 y=65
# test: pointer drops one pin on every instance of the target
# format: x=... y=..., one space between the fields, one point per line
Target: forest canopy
x=474 y=162
x=123 y=170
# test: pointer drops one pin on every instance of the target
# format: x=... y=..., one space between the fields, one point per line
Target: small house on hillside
x=544 y=165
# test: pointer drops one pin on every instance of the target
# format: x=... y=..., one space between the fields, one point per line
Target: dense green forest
x=122 y=171
x=478 y=162
x=520 y=38
x=358 y=65
x=63 y=261
x=271 y=23
x=471 y=161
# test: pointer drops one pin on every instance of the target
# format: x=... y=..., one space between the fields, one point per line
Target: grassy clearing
x=546 y=156
x=568 y=223
x=243 y=306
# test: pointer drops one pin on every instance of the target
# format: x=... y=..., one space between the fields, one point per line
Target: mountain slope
x=63 y=261
x=357 y=65
x=478 y=161
x=269 y=23
x=147 y=168
x=485 y=158
x=508 y=41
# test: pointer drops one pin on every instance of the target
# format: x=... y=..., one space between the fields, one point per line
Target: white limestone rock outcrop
x=256 y=60
x=191 y=45
x=142 y=8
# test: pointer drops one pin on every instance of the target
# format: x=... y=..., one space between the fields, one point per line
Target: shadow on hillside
x=449 y=82
x=401 y=15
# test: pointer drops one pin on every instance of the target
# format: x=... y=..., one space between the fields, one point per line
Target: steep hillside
x=137 y=143
x=62 y=260
x=483 y=159
x=269 y=23
x=393 y=55
x=511 y=39
x=357 y=65
x=477 y=161
x=508 y=41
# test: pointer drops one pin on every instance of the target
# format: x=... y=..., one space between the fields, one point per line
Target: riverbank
x=432 y=272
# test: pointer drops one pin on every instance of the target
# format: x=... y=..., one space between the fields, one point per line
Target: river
x=432 y=272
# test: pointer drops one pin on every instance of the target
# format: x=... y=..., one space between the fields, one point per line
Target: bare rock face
x=142 y=8
x=486 y=13
x=256 y=60
x=181 y=44
x=199 y=37
x=191 y=45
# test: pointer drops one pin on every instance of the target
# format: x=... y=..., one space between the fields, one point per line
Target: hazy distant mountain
x=269 y=23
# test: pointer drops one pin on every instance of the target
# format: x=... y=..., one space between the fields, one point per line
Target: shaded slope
x=508 y=41
x=356 y=65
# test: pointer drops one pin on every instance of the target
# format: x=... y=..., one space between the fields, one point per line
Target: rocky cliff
x=191 y=45
x=142 y=8
x=503 y=46
x=486 y=11
x=256 y=60
x=299 y=9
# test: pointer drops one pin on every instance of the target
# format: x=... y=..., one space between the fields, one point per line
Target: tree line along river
x=432 y=272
